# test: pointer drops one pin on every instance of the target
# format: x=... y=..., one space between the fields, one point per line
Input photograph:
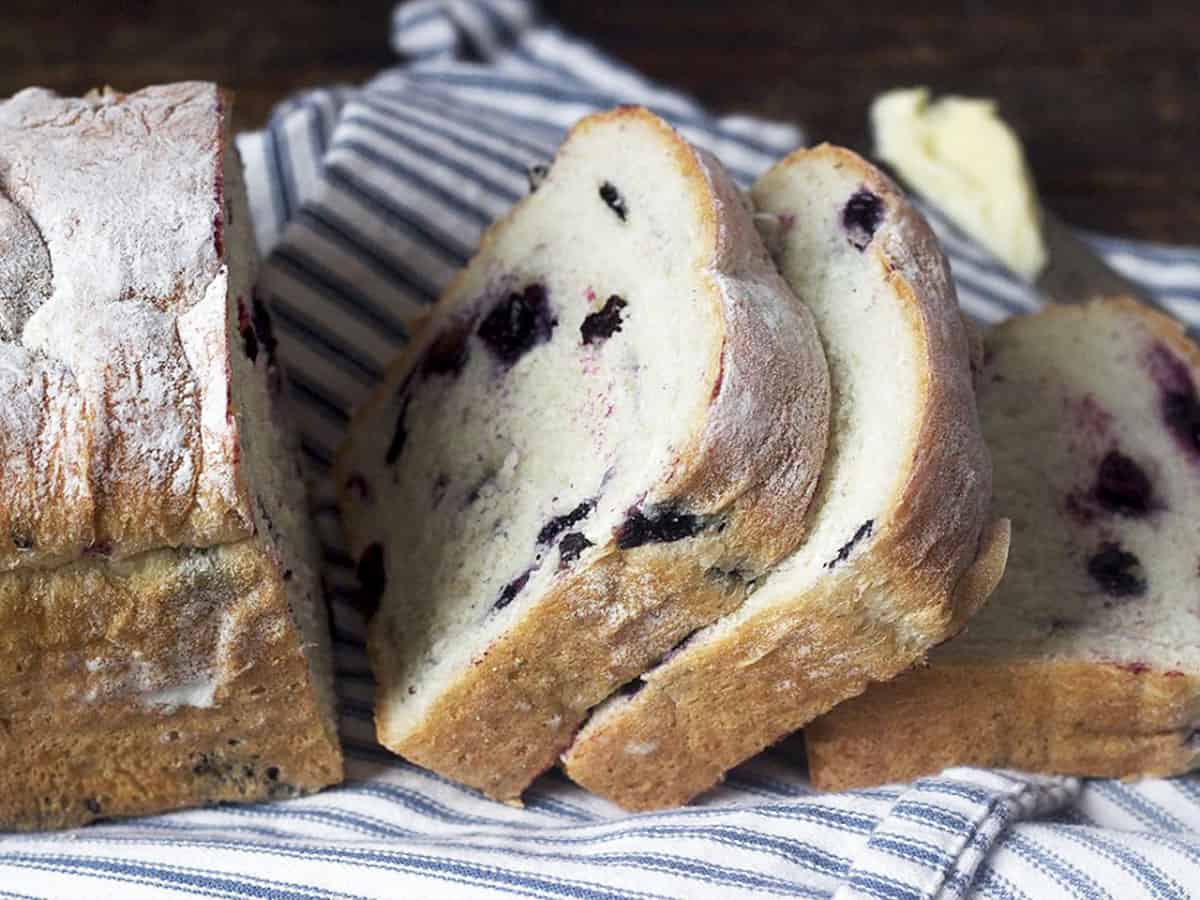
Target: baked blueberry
x=603 y=324
x=861 y=217
x=559 y=524
x=660 y=525
x=1179 y=402
x=1118 y=572
x=510 y=591
x=1122 y=486
x=570 y=547
x=449 y=351
x=612 y=197
x=864 y=531
x=517 y=324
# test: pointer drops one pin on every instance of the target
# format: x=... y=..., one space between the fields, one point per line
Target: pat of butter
x=958 y=154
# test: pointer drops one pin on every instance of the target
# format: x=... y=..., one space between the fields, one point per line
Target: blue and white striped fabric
x=366 y=201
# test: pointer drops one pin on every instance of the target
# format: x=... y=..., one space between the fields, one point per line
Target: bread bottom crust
x=1100 y=719
x=174 y=678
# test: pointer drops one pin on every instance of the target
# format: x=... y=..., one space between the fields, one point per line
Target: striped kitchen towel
x=366 y=201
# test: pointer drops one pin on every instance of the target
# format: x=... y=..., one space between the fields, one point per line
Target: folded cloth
x=366 y=201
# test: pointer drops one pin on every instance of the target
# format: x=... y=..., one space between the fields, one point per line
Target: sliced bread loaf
x=901 y=547
x=612 y=423
x=1087 y=660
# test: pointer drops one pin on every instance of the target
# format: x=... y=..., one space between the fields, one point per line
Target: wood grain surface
x=1106 y=94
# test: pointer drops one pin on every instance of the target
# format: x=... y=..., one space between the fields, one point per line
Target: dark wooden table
x=1105 y=94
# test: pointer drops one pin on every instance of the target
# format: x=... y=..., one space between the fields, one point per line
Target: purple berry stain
x=1118 y=572
x=517 y=324
x=661 y=525
x=599 y=326
x=1178 y=402
x=861 y=217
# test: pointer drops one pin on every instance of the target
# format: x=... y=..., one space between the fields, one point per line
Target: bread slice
x=1087 y=660
x=901 y=548
x=613 y=422
x=163 y=640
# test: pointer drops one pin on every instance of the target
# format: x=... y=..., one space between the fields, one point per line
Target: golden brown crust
x=98 y=664
x=725 y=700
x=508 y=717
x=1069 y=718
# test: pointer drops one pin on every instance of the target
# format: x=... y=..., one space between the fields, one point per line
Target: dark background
x=1105 y=94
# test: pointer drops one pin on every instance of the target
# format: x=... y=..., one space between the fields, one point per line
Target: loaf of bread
x=611 y=426
x=162 y=633
x=1087 y=660
x=901 y=548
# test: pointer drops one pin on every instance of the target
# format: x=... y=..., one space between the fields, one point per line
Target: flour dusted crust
x=862 y=607
x=164 y=641
x=753 y=427
x=1087 y=660
x=115 y=433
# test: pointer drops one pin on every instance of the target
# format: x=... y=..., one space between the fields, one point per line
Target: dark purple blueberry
x=399 y=435
x=263 y=329
x=536 y=174
x=246 y=330
x=559 y=524
x=864 y=531
x=22 y=541
x=861 y=217
x=372 y=580
x=611 y=196
x=272 y=773
x=1122 y=486
x=517 y=324
x=1118 y=572
x=357 y=484
x=449 y=351
x=510 y=591
x=569 y=548
x=1179 y=403
x=604 y=324
x=661 y=525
